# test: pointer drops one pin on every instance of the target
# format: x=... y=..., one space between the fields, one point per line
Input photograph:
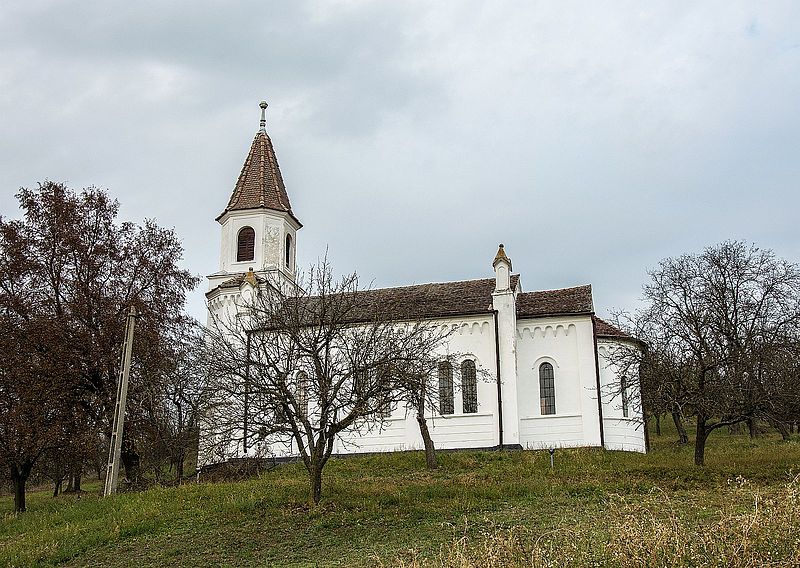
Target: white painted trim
x=548 y=416
x=544 y=359
x=457 y=415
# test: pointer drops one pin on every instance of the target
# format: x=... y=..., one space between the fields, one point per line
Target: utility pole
x=114 y=452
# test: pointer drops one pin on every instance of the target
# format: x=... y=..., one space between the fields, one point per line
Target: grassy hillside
x=478 y=509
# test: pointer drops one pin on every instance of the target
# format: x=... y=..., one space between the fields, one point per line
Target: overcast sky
x=593 y=139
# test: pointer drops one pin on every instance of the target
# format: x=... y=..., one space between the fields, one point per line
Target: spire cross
x=263 y=105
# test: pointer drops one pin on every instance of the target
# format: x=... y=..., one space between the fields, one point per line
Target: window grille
x=302 y=393
x=547 y=389
x=623 y=385
x=446 y=388
x=469 y=386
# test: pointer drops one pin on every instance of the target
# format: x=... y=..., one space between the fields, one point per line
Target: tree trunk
x=683 y=437
x=752 y=427
x=315 y=482
x=430 y=450
x=179 y=468
x=19 y=494
x=130 y=460
x=57 y=486
x=658 y=425
x=19 y=477
x=76 y=479
x=700 y=441
x=780 y=427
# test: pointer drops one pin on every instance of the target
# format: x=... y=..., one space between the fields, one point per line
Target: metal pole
x=112 y=473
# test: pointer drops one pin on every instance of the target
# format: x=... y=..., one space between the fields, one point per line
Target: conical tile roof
x=260 y=184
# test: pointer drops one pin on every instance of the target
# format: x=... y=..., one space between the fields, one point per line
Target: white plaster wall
x=568 y=344
x=271 y=228
x=472 y=336
x=621 y=433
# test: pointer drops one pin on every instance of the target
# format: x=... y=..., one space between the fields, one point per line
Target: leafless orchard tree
x=164 y=414
x=720 y=333
x=302 y=366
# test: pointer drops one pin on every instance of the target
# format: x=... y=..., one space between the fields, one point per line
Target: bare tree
x=68 y=273
x=165 y=416
x=304 y=365
x=717 y=328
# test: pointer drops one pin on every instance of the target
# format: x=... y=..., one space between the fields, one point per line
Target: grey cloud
x=591 y=139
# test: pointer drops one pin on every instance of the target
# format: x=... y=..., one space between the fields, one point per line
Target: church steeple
x=259 y=229
x=260 y=184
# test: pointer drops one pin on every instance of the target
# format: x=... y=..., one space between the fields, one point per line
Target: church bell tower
x=258 y=226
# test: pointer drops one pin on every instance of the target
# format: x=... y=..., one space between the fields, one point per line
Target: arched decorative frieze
x=545 y=331
x=465 y=328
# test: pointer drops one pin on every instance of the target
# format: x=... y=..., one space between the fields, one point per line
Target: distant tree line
x=69 y=270
x=720 y=342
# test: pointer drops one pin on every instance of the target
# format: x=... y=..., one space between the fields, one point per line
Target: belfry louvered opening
x=246 y=244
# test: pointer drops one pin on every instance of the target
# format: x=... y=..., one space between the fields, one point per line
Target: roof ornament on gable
x=501 y=256
x=251 y=277
x=260 y=184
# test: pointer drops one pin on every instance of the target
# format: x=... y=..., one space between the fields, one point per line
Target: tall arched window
x=383 y=378
x=288 y=250
x=446 y=388
x=302 y=393
x=547 y=389
x=623 y=387
x=469 y=386
x=246 y=244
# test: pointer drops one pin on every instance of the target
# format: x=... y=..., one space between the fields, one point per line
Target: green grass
x=389 y=510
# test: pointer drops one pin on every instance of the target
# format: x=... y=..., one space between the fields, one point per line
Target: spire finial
x=501 y=256
x=263 y=105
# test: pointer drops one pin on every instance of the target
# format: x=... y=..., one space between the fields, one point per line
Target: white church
x=554 y=383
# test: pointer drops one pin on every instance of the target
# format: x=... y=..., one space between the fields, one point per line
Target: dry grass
x=652 y=532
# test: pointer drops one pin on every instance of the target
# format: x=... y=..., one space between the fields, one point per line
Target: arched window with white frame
x=547 y=389
x=302 y=393
x=469 y=387
x=288 y=251
x=446 y=405
x=623 y=387
x=245 y=244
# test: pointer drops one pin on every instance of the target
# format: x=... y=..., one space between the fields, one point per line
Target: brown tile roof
x=605 y=329
x=236 y=281
x=577 y=300
x=260 y=184
x=438 y=299
x=463 y=297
